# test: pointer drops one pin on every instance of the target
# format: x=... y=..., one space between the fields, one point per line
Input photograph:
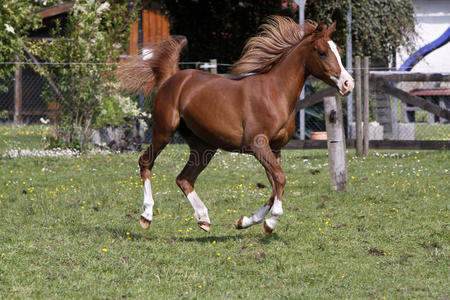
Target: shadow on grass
x=239 y=237
x=211 y=238
x=124 y=234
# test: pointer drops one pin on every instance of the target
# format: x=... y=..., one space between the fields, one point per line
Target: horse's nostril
x=346 y=83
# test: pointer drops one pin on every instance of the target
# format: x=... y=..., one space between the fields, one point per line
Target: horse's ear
x=331 y=29
x=320 y=32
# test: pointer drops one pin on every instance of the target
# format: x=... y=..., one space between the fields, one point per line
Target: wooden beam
x=412 y=99
x=410 y=145
x=55 y=10
x=409 y=76
x=382 y=144
x=306 y=144
x=315 y=98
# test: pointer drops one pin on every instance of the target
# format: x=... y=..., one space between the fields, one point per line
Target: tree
x=16 y=20
x=84 y=53
x=379 y=27
x=219 y=29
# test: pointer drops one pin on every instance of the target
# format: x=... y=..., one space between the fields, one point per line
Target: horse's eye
x=322 y=53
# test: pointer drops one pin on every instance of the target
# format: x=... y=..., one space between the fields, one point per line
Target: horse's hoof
x=145 y=223
x=204 y=225
x=238 y=223
x=266 y=229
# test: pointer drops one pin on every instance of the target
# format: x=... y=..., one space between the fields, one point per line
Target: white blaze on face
x=345 y=82
x=148 y=201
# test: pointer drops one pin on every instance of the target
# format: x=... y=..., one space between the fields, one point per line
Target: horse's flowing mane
x=278 y=35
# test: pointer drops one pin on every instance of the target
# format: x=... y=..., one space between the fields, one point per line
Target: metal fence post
x=301 y=113
x=349 y=63
x=359 y=142
x=213 y=62
x=18 y=95
x=366 y=106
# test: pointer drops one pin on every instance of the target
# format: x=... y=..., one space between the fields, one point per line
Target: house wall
x=432 y=18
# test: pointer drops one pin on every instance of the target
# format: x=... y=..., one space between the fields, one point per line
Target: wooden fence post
x=359 y=141
x=214 y=63
x=18 y=95
x=366 y=106
x=336 y=143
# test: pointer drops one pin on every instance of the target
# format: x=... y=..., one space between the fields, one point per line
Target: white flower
x=9 y=28
x=102 y=8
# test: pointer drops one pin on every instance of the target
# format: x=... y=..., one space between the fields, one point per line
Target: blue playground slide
x=425 y=50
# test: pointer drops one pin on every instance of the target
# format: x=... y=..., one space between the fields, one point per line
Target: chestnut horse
x=250 y=111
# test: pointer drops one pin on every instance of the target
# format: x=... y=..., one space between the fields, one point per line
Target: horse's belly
x=216 y=132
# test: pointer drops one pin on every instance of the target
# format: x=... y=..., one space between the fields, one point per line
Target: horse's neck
x=290 y=74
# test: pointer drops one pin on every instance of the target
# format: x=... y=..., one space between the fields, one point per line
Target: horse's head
x=325 y=60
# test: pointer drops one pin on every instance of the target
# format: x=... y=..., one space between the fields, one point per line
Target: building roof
x=59 y=9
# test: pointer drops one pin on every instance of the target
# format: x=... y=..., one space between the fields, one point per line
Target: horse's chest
x=283 y=136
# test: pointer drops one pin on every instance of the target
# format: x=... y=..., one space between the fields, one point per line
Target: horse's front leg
x=272 y=164
x=260 y=214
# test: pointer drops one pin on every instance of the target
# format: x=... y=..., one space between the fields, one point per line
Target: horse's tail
x=149 y=71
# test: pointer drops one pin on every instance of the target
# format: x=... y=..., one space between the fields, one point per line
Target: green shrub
x=115 y=111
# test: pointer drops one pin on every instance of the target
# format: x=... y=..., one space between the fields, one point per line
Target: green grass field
x=70 y=228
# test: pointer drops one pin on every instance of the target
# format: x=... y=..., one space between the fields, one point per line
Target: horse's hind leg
x=199 y=158
x=146 y=162
x=258 y=216
x=165 y=124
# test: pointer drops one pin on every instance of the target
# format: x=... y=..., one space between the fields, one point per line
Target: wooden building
x=24 y=100
x=153 y=22
x=155 y=27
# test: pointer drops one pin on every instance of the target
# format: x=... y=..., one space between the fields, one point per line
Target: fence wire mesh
x=394 y=119
x=389 y=117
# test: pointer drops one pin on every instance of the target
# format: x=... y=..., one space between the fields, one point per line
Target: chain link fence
x=33 y=104
x=390 y=118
